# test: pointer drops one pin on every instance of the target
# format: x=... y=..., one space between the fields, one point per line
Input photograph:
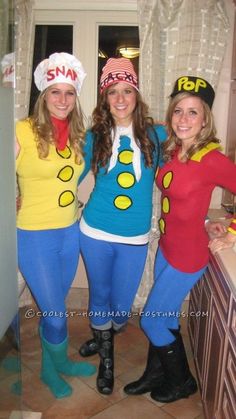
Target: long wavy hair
x=43 y=129
x=205 y=136
x=103 y=123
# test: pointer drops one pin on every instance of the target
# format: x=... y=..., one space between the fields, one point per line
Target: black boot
x=105 y=378
x=152 y=376
x=88 y=348
x=178 y=382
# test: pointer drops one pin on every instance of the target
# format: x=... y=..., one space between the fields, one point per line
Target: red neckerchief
x=61 y=132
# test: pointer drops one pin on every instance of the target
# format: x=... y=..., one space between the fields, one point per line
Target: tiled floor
x=86 y=402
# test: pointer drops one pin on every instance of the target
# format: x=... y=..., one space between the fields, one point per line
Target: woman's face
x=188 y=119
x=121 y=98
x=60 y=100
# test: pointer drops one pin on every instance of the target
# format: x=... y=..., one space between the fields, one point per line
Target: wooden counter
x=212 y=331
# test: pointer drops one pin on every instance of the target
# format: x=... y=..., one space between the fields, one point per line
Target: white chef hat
x=60 y=67
x=8 y=69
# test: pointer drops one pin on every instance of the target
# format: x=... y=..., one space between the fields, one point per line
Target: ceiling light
x=102 y=54
x=129 y=52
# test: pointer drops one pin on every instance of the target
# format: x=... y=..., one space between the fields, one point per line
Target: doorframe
x=127 y=5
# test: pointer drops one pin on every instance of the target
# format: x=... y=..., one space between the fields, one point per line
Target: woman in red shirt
x=194 y=166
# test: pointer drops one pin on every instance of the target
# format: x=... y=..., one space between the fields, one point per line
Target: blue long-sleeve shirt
x=119 y=204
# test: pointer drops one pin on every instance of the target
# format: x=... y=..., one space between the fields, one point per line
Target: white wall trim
x=86 y=5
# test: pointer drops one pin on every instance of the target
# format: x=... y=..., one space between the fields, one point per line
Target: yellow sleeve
x=232 y=226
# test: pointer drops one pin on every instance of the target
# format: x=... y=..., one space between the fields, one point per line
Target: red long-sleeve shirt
x=186 y=193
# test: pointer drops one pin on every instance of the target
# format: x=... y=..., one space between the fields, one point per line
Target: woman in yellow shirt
x=49 y=163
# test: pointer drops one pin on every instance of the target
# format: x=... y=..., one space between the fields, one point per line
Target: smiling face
x=60 y=99
x=188 y=119
x=121 y=98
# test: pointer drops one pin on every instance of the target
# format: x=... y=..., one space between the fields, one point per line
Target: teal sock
x=49 y=375
x=64 y=365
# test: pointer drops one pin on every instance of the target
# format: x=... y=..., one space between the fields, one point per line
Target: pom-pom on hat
x=60 y=67
x=196 y=86
x=117 y=70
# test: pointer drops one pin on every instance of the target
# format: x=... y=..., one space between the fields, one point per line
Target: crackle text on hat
x=196 y=86
x=60 y=67
x=118 y=70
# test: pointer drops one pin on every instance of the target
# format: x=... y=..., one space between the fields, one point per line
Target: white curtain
x=177 y=37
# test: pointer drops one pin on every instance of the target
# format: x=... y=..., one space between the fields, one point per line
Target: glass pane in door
x=49 y=39
x=117 y=41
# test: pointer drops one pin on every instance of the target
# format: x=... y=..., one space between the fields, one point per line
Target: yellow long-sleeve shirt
x=48 y=187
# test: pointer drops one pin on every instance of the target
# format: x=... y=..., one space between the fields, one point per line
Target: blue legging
x=48 y=261
x=114 y=274
x=163 y=307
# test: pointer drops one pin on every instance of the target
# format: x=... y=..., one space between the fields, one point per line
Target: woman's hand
x=224 y=242
x=215 y=229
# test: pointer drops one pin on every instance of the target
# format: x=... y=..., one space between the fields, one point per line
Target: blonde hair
x=205 y=136
x=43 y=129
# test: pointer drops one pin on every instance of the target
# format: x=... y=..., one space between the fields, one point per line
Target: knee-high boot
x=152 y=376
x=105 y=343
x=90 y=347
x=178 y=381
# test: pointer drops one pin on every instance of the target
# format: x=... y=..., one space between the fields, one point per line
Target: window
x=110 y=41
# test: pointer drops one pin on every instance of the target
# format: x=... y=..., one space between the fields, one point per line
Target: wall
x=221 y=104
x=8 y=277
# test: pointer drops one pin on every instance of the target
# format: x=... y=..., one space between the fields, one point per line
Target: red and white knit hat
x=117 y=70
x=59 y=67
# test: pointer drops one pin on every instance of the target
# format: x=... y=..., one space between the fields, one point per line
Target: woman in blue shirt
x=115 y=223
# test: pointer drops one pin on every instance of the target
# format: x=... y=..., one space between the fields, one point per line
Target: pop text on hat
x=190 y=85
